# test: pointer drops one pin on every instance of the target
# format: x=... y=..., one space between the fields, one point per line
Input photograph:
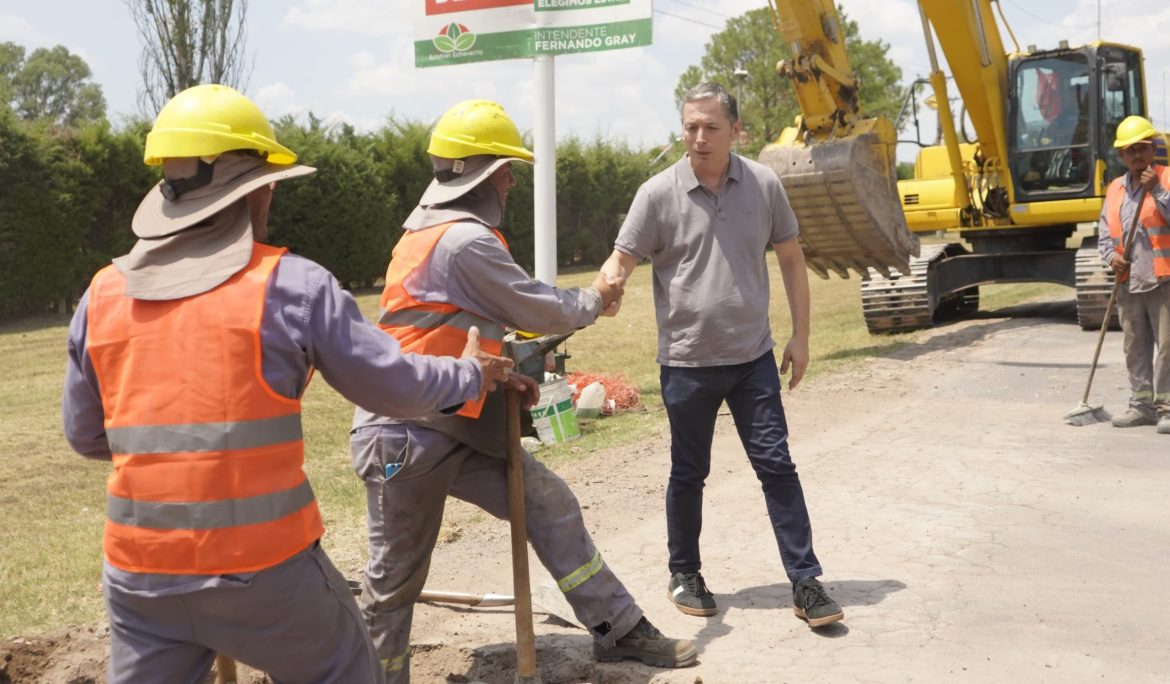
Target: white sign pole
x=544 y=136
x=466 y=31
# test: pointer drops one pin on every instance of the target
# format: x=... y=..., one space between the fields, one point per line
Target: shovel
x=547 y=599
x=525 y=637
x=225 y=669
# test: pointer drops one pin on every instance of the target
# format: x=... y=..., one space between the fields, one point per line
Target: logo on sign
x=443 y=6
x=454 y=38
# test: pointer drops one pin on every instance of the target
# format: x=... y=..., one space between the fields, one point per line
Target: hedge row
x=67 y=197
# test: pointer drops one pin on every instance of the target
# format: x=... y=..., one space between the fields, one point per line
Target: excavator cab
x=1065 y=105
x=1036 y=168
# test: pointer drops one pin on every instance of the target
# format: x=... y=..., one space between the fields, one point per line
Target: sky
x=353 y=60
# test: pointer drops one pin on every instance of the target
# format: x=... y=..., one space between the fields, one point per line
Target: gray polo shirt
x=709 y=259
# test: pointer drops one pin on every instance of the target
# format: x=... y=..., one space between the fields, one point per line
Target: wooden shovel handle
x=225 y=669
x=521 y=589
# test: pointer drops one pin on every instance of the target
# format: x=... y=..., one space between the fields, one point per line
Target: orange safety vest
x=434 y=328
x=1151 y=220
x=207 y=457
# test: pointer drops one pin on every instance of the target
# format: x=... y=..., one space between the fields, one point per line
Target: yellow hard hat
x=207 y=120
x=1134 y=129
x=475 y=127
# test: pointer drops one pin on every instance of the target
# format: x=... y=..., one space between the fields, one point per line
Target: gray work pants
x=296 y=621
x=1145 y=322
x=406 y=510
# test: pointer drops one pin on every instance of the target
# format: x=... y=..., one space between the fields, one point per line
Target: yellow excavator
x=1037 y=164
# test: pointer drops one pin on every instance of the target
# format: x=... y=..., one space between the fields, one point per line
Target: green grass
x=51 y=500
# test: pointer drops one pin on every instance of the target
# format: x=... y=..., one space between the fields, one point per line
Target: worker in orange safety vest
x=188 y=358
x=1143 y=299
x=450 y=271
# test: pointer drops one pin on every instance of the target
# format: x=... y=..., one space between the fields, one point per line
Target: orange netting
x=617 y=387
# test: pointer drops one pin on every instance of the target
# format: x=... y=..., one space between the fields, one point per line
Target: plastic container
x=591 y=401
x=553 y=416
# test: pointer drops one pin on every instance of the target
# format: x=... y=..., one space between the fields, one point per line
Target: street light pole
x=740 y=75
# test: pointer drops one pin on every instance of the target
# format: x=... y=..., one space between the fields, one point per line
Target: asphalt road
x=970 y=534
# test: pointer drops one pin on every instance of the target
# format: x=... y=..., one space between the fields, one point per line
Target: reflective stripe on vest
x=208 y=515
x=165 y=439
x=434 y=328
x=1151 y=220
x=461 y=320
x=207 y=457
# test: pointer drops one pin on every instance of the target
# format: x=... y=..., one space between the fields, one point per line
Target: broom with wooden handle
x=1085 y=413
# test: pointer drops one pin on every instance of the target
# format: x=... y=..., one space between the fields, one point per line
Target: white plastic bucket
x=553 y=417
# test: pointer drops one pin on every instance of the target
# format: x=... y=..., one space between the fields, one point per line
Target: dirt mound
x=80 y=655
x=74 y=656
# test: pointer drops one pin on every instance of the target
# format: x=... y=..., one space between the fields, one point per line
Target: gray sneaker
x=1164 y=424
x=811 y=603
x=689 y=593
x=1133 y=418
x=645 y=643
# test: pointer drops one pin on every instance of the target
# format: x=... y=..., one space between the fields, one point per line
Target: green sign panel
x=504 y=29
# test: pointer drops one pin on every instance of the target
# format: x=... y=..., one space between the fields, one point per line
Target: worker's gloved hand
x=495 y=369
x=528 y=389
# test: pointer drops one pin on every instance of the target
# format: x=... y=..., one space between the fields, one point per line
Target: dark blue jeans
x=752 y=391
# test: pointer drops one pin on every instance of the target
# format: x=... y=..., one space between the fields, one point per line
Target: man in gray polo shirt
x=705 y=224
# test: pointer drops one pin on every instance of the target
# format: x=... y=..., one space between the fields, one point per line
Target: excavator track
x=902 y=301
x=1094 y=285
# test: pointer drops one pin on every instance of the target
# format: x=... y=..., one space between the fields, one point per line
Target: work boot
x=689 y=593
x=1133 y=418
x=810 y=602
x=1164 y=424
x=644 y=642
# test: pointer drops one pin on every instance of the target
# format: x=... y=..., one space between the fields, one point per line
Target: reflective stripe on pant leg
x=556 y=530
x=576 y=578
x=395 y=666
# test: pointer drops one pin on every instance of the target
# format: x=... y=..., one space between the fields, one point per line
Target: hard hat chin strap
x=174 y=189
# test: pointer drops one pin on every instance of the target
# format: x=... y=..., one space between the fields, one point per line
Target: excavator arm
x=819 y=70
x=838 y=167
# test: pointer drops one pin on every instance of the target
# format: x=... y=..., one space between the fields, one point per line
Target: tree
x=186 y=43
x=11 y=57
x=767 y=106
x=52 y=85
x=345 y=217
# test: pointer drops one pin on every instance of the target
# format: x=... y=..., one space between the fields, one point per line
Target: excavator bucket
x=845 y=196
